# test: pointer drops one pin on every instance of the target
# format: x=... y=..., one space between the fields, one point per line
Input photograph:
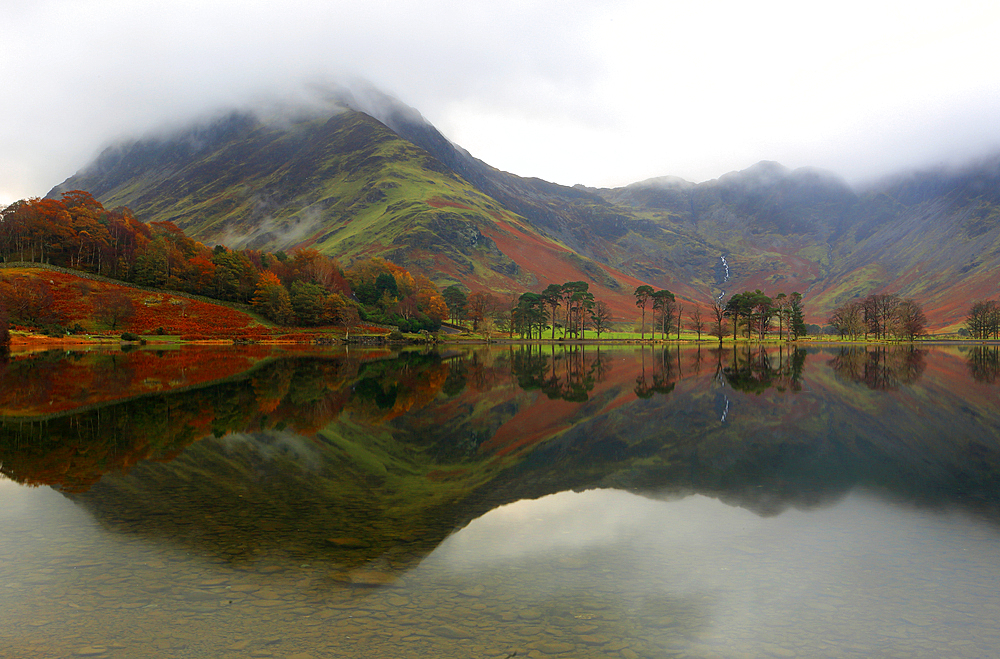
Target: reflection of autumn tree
x=882 y=368
x=984 y=363
x=72 y=451
x=385 y=390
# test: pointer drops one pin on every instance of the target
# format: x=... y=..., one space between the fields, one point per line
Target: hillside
x=95 y=305
x=345 y=185
x=364 y=178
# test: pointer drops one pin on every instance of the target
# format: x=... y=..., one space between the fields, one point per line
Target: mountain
x=362 y=174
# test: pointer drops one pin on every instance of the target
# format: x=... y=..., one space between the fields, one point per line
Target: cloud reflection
x=570 y=522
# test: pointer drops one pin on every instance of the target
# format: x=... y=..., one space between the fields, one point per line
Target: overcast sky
x=600 y=93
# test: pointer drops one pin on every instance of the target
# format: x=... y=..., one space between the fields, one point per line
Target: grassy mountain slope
x=344 y=184
x=386 y=182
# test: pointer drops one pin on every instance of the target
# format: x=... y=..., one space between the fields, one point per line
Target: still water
x=480 y=503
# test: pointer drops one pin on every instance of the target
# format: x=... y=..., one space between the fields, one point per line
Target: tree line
x=983 y=320
x=570 y=307
x=304 y=288
x=881 y=316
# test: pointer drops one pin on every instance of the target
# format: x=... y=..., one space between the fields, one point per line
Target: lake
x=547 y=501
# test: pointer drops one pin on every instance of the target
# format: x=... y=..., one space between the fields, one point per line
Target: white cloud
x=584 y=92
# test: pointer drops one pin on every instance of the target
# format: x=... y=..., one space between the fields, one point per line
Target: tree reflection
x=984 y=364
x=561 y=373
x=755 y=369
x=663 y=374
x=881 y=368
x=72 y=451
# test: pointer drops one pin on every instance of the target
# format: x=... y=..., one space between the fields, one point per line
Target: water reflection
x=333 y=484
x=984 y=363
x=698 y=578
x=884 y=368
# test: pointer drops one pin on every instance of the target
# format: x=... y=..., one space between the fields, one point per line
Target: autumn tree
x=910 y=319
x=271 y=299
x=113 y=306
x=480 y=306
x=848 y=319
x=28 y=301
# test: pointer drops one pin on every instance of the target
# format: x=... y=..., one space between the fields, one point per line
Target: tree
x=983 y=319
x=530 y=314
x=601 y=317
x=642 y=295
x=761 y=311
x=480 y=305
x=848 y=319
x=664 y=303
x=503 y=315
x=697 y=324
x=308 y=302
x=879 y=313
x=456 y=300
x=739 y=307
x=911 y=319
x=584 y=304
x=782 y=310
x=28 y=300
x=576 y=295
x=553 y=295
x=718 y=328
x=797 y=322
x=680 y=315
x=386 y=287
x=271 y=299
x=113 y=306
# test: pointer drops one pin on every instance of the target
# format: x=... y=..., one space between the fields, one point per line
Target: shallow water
x=827 y=503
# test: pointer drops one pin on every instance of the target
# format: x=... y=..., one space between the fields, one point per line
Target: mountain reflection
x=372 y=458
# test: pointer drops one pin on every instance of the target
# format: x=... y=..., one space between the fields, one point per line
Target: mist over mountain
x=356 y=173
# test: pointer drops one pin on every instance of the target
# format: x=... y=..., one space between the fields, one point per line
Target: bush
x=129 y=336
x=395 y=335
